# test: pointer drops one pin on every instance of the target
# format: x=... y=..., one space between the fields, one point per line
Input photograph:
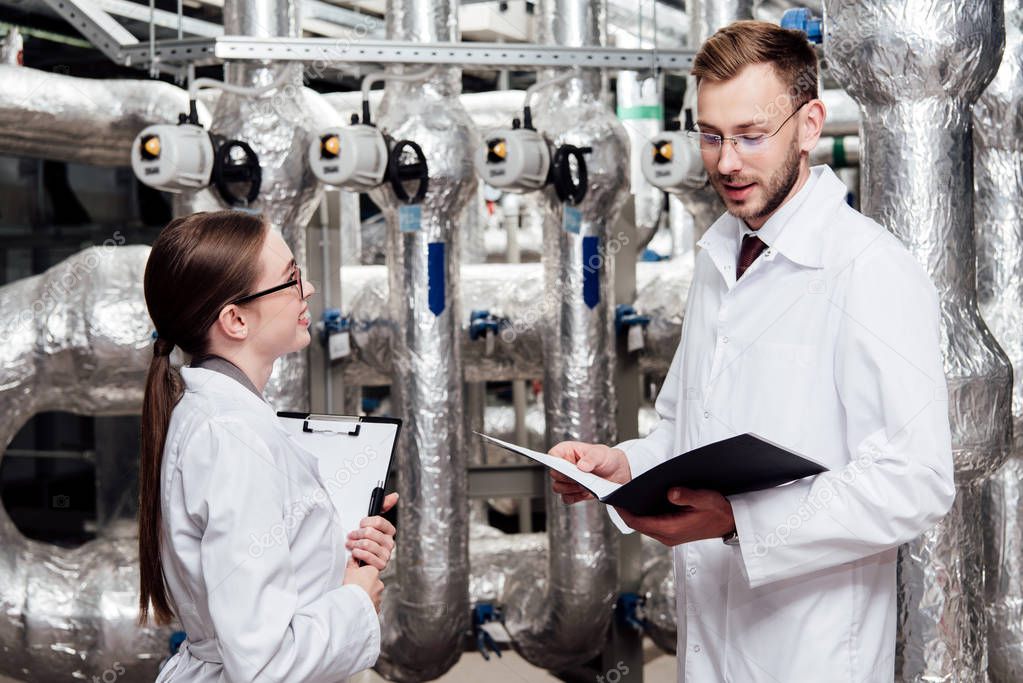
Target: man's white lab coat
x=828 y=345
x=253 y=550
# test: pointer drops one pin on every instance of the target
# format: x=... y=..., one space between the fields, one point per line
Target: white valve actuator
x=673 y=162
x=514 y=159
x=353 y=157
x=173 y=158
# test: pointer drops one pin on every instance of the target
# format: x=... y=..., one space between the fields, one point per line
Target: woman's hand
x=373 y=541
x=367 y=578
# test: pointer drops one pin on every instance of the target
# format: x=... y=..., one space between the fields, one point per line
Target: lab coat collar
x=222 y=389
x=793 y=231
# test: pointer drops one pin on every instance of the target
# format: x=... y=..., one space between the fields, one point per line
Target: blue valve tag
x=572 y=219
x=410 y=217
x=592 y=265
x=435 y=274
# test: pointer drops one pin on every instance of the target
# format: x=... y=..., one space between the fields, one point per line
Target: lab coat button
x=692 y=571
x=696 y=648
x=706 y=415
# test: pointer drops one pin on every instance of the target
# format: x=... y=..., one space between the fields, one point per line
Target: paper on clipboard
x=353 y=456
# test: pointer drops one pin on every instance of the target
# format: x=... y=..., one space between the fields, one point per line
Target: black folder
x=738 y=464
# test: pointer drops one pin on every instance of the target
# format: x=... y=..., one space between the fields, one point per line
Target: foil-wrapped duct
x=916 y=67
x=75 y=338
x=82 y=120
x=565 y=622
x=515 y=293
x=998 y=183
x=657 y=587
x=278 y=125
x=426 y=615
x=503 y=564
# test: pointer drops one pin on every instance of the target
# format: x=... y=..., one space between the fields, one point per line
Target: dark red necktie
x=752 y=246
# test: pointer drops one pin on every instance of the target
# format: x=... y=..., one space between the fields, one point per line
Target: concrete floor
x=510 y=668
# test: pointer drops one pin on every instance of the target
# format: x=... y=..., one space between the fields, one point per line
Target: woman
x=237 y=538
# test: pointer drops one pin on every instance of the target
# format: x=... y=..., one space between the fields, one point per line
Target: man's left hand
x=702 y=514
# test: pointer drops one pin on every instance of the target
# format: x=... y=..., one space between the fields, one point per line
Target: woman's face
x=280 y=321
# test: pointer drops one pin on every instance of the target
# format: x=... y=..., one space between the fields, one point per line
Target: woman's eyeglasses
x=296 y=280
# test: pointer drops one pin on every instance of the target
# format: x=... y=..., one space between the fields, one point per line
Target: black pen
x=376 y=506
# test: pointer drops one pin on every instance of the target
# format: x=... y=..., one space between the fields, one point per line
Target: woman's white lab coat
x=253 y=551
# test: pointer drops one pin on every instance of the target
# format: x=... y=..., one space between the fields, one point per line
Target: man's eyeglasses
x=296 y=280
x=753 y=142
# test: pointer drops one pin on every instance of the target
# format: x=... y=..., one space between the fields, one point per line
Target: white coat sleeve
x=232 y=490
x=899 y=480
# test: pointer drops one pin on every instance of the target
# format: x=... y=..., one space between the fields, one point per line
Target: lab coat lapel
x=721 y=244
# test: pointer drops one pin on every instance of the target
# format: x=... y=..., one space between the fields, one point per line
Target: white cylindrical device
x=673 y=162
x=514 y=159
x=173 y=158
x=353 y=157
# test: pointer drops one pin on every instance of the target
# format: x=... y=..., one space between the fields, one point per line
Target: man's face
x=753 y=182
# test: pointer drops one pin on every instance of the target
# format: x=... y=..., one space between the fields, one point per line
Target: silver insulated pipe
x=564 y=620
x=515 y=292
x=916 y=67
x=426 y=615
x=998 y=183
x=82 y=120
x=279 y=126
x=75 y=338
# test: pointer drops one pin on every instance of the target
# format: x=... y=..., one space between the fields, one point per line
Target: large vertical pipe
x=427 y=613
x=565 y=622
x=279 y=126
x=916 y=67
x=998 y=183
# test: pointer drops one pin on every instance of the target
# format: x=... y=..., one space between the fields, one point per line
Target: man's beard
x=776 y=190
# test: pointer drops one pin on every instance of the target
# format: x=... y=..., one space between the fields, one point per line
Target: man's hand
x=609 y=463
x=702 y=514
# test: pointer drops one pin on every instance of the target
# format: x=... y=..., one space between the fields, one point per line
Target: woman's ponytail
x=163 y=390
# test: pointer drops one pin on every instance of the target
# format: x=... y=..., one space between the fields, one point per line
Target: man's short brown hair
x=742 y=43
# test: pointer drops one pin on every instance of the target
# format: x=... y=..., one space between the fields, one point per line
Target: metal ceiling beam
x=162 y=18
x=328 y=50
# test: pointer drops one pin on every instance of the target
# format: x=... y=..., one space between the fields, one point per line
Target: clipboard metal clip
x=354 y=431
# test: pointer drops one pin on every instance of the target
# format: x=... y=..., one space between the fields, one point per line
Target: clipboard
x=353 y=456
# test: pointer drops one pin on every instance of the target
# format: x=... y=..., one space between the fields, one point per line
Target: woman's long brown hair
x=197 y=265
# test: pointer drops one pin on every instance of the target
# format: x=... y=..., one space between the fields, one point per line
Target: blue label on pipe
x=435 y=273
x=592 y=263
x=410 y=217
x=571 y=219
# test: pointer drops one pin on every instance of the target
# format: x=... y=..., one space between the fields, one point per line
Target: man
x=812 y=326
